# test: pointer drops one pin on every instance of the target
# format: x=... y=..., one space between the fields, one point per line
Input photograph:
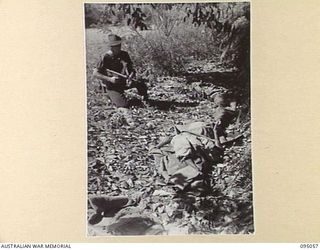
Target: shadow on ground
x=163 y=105
x=237 y=82
x=166 y=105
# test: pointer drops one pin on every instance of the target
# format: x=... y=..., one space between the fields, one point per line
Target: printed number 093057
x=309 y=245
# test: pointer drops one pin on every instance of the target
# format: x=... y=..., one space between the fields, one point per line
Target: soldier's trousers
x=117 y=95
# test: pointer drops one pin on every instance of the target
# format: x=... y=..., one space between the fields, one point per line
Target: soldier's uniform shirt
x=115 y=91
x=115 y=63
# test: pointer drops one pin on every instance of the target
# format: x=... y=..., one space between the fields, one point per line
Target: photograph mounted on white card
x=168 y=119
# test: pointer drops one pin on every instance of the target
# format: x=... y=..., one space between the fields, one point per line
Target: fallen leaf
x=161 y=193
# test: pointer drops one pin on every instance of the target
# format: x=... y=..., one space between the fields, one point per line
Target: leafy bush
x=179 y=33
x=92 y=15
x=162 y=54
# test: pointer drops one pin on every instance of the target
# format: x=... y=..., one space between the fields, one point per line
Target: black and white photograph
x=168 y=119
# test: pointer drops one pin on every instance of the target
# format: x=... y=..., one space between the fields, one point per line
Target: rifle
x=127 y=77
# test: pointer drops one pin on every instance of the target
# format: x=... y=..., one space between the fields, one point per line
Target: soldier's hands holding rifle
x=115 y=79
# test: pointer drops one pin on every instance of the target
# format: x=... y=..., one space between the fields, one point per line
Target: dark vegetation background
x=175 y=47
x=179 y=32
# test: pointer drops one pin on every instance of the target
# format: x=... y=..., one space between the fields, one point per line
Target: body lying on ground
x=186 y=159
